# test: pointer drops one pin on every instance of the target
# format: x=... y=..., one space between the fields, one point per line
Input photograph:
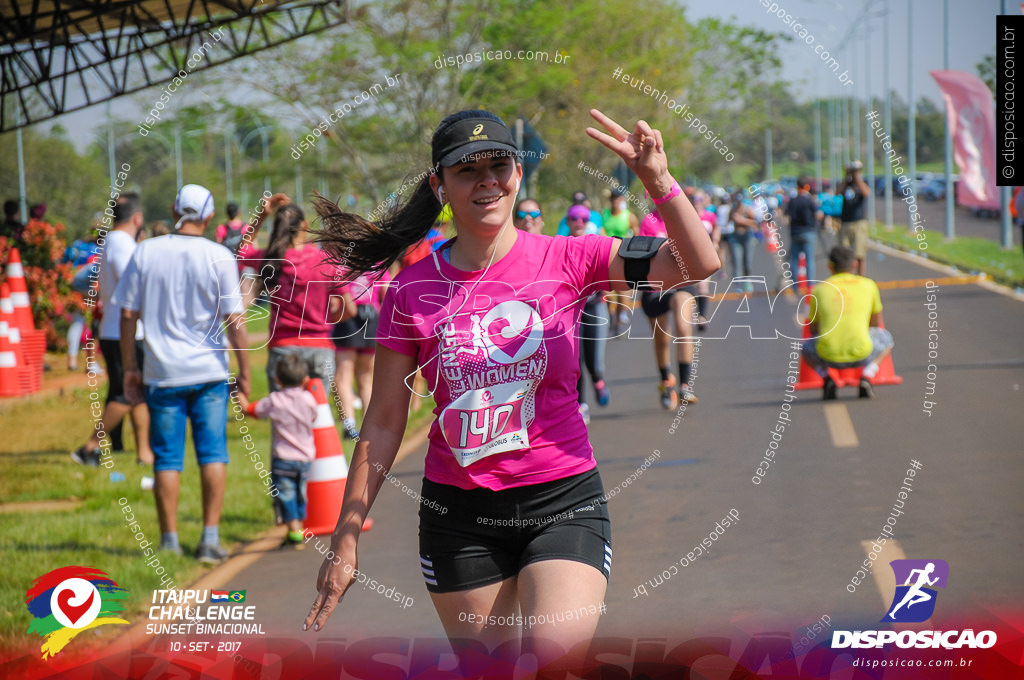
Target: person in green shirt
x=846 y=324
x=620 y=222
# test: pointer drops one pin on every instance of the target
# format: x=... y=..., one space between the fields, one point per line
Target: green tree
x=73 y=187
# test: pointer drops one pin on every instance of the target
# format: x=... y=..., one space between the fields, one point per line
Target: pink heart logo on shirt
x=508 y=345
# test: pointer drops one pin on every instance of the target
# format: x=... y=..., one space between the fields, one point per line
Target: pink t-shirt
x=505 y=345
x=652 y=225
x=293 y=412
x=301 y=297
x=366 y=289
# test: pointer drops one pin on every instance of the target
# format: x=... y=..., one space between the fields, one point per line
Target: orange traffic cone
x=809 y=378
x=9 y=384
x=329 y=472
x=801 y=275
x=19 y=293
x=771 y=237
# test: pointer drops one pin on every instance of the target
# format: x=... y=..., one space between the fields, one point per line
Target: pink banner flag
x=972 y=125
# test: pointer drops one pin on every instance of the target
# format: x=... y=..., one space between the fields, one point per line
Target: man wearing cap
x=182 y=286
x=853 y=228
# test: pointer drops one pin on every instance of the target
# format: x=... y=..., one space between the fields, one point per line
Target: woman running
x=662 y=308
x=355 y=342
x=490 y=319
x=593 y=330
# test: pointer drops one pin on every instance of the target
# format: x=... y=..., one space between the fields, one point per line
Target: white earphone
x=440 y=194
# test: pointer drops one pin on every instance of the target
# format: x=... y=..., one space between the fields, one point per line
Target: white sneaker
x=357 y=404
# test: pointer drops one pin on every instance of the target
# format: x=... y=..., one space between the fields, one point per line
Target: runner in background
x=726 y=227
x=702 y=204
x=620 y=223
x=662 y=309
x=355 y=343
x=528 y=216
x=580 y=198
x=802 y=214
x=742 y=239
x=231 y=233
x=593 y=328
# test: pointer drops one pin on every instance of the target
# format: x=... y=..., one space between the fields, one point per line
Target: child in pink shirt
x=292 y=410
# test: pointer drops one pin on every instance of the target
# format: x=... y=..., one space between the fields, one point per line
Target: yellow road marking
x=840 y=427
x=882 y=285
x=886 y=581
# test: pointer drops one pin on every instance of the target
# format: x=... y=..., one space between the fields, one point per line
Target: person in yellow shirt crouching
x=845 y=324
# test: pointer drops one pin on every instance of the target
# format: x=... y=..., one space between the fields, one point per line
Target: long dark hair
x=287 y=221
x=360 y=245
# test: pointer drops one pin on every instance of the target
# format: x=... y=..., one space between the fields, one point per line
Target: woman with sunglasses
x=528 y=217
x=593 y=330
x=490 y=318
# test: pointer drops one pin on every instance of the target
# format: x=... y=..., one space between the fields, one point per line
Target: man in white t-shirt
x=183 y=286
x=116 y=254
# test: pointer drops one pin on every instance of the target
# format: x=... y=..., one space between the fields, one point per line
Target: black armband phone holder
x=636 y=253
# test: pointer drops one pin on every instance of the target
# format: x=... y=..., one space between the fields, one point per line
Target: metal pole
x=298 y=184
x=888 y=116
x=321 y=161
x=950 y=226
x=1005 y=193
x=227 y=162
x=912 y=114
x=22 y=200
x=177 y=156
x=831 y=148
x=856 y=105
x=110 y=143
x=768 y=152
x=266 y=161
x=869 y=141
x=817 y=144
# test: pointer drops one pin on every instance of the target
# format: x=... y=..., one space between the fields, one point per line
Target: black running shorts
x=472 y=538
x=111 y=351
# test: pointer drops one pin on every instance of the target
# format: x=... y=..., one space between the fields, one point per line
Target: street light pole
x=888 y=115
x=912 y=114
x=1005 y=193
x=869 y=141
x=950 y=189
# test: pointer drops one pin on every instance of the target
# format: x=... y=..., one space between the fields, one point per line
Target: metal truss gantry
x=62 y=56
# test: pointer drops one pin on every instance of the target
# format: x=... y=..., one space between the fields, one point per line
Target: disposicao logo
x=914 y=602
x=66 y=601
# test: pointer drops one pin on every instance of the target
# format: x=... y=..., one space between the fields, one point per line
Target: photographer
x=853 y=229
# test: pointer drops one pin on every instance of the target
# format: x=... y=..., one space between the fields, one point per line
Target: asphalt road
x=797 y=543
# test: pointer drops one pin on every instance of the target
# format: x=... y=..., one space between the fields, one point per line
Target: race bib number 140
x=487 y=421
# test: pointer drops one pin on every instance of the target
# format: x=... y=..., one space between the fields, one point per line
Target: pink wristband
x=672 y=193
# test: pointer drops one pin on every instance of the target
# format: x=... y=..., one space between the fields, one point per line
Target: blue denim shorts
x=170 y=410
x=290 y=477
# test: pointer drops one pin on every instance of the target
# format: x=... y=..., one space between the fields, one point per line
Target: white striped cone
x=19 y=293
x=9 y=383
x=329 y=472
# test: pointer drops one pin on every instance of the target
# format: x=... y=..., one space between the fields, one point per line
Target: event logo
x=914 y=601
x=66 y=601
x=227 y=596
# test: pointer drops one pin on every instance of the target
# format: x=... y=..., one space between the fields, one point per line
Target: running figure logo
x=914 y=600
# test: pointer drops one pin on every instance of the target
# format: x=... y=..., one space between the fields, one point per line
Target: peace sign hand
x=643 y=151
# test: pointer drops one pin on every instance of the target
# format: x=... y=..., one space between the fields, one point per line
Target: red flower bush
x=49 y=281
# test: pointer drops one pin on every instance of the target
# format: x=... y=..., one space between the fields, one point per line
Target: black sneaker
x=865 y=391
x=211 y=554
x=828 y=391
x=83 y=456
x=349 y=432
